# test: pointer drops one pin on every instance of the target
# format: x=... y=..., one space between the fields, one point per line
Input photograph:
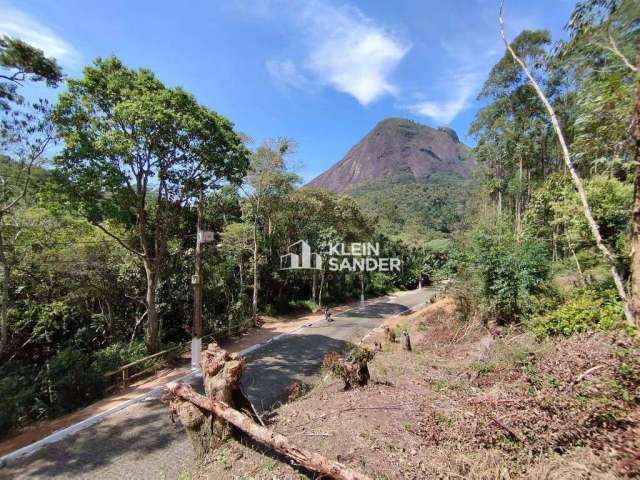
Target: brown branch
x=117 y=239
x=32 y=161
x=379 y=407
x=510 y=431
x=587 y=372
x=279 y=443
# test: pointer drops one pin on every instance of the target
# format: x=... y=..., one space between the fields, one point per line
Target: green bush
x=588 y=309
x=118 y=354
x=298 y=305
x=511 y=270
x=17 y=397
x=73 y=380
x=379 y=283
x=466 y=296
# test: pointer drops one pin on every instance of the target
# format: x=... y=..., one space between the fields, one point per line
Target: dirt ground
x=464 y=404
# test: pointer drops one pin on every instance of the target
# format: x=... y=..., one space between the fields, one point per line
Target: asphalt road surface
x=140 y=442
x=272 y=369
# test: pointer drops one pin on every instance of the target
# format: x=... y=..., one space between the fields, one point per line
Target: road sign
x=205 y=236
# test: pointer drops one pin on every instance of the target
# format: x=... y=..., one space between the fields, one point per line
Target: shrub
x=466 y=298
x=511 y=271
x=17 y=397
x=118 y=354
x=297 y=305
x=73 y=380
x=379 y=283
x=588 y=309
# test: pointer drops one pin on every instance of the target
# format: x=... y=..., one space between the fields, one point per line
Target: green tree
x=136 y=152
x=25 y=134
x=267 y=181
x=19 y=63
x=510 y=271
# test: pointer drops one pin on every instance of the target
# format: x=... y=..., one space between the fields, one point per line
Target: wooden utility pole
x=196 y=280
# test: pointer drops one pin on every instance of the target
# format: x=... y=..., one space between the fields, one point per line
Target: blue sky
x=323 y=72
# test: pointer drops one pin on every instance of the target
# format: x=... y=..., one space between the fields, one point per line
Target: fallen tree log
x=309 y=460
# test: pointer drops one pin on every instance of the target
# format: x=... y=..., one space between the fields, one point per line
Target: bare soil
x=465 y=404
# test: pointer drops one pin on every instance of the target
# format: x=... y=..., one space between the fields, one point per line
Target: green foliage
x=556 y=207
x=118 y=354
x=20 y=61
x=72 y=380
x=17 y=395
x=586 y=309
x=510 y=270
x=117 y=122
x=410 y=210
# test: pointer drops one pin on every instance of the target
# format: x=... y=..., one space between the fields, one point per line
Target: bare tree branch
x=613 y=48
x=117 y=239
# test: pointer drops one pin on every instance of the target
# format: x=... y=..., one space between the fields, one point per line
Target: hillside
x=413 y=210
x=398 y=147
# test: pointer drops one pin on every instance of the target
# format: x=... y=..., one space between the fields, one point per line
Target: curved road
x=140 y=442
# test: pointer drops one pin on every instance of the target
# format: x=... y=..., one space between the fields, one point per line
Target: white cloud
x=445 y=111
x=344 y=49
x=286 y=72
x=15 y=23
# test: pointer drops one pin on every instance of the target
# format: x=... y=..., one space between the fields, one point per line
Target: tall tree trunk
x=519 y=201
x=595 y=230
x=320 y=291
x=313 y=285
x=153 y=323
x=635 y=230
x=4 y=329
x=254 y=301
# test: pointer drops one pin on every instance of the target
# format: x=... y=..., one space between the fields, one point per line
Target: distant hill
x=417 y=211
x=398 y=148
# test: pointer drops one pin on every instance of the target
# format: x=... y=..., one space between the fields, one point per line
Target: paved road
x=140 y=442
x=295 y=358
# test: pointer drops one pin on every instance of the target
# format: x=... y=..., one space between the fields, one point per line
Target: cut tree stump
x=221 y=373
x=406 y=341
x=209 y=419
x=353 y=369
x=390 y=335
x=309 y=460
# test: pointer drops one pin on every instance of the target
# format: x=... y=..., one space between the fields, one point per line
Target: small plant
x=401 y=329
x=587 y=310
x=441 y=386
x=298 y=390
x=483 y=368
x=352 y=368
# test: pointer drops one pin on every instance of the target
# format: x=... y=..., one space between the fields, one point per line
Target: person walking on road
x=327 y=315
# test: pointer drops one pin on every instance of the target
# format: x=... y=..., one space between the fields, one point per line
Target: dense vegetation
x=97 y=235
x=531 y=255
x=417 y=211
